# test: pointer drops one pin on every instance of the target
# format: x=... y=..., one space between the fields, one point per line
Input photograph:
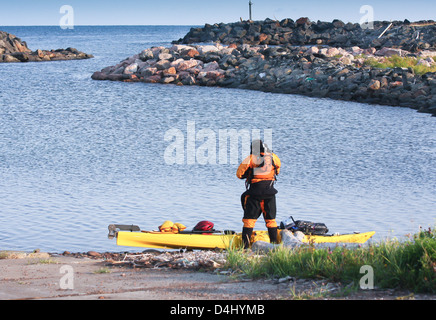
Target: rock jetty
x=12 y=49
x=404 y=35
x=317 y=71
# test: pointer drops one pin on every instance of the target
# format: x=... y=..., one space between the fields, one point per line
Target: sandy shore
x=43 y=276
x=39 y=277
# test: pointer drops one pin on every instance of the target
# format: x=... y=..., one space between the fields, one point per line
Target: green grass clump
x=401 y=62
x=409 y=264
x=102 y=270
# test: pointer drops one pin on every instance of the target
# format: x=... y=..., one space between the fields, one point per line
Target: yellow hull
x=161 y=240
x=342 y=238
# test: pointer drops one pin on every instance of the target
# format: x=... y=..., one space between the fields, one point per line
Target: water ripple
x=77 y=155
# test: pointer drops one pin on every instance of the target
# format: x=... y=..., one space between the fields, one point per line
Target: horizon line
x=187 y=25
x=105 y=25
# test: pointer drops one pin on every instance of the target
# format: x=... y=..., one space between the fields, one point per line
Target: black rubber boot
x=272 y=232
x=246 y=235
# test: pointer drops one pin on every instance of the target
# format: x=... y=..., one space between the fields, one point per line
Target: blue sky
x=199 y=12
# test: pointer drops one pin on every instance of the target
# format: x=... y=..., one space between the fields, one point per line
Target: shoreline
x=39 y=277
x=271 y=275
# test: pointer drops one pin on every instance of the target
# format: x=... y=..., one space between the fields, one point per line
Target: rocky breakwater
x=406 y=35
x=12 y=49
x=317 y=71
x=179 y=64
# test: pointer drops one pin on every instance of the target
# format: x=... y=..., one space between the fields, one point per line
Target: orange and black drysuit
x=260 y=169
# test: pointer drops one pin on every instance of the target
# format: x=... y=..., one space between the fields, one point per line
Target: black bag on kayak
x=307 y=227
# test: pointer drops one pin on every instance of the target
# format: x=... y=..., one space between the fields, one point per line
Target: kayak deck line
x=132 y=236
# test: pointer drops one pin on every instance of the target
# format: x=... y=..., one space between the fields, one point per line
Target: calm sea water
x=77 y=154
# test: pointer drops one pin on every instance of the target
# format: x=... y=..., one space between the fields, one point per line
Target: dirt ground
x=59 y=277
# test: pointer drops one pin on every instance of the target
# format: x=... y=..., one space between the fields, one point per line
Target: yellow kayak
x=166 y=240
x=163 y=240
